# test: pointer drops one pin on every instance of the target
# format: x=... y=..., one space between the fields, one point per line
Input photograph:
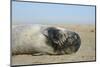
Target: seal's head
x=63 y=41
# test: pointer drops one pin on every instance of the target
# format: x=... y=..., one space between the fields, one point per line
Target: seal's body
x=43 y=39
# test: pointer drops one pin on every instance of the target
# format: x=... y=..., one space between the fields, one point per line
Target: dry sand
x=85 y=53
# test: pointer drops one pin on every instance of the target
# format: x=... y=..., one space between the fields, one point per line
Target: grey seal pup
x=44 y=39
